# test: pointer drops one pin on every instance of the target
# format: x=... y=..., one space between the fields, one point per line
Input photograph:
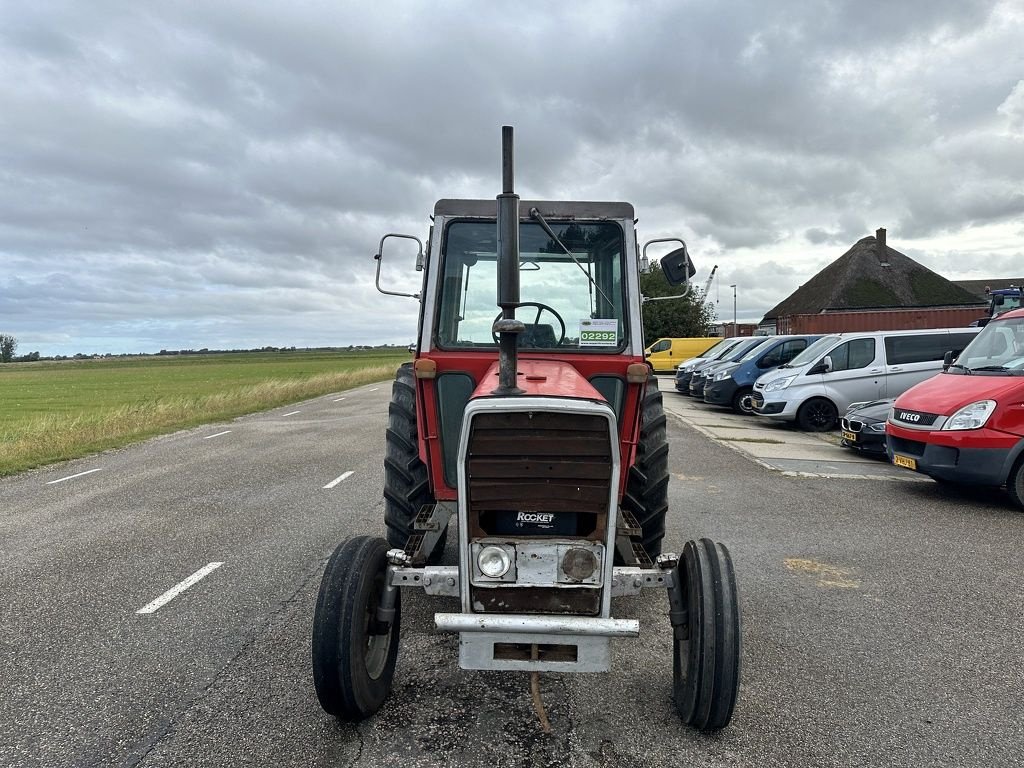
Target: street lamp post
x=735 y=327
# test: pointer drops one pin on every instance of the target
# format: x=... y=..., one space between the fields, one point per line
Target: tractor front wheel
x=706 y=652
x=354 y=651
x=406 y=485
x=647 y=485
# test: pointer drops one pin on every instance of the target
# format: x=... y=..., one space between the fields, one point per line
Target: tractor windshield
x=567 y=302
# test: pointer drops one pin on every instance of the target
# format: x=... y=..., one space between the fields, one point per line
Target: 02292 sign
x=601 y=332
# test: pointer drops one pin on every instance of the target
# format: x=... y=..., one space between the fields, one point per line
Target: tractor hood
x=542 y=378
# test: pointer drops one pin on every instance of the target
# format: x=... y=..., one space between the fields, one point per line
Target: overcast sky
x=218 y=174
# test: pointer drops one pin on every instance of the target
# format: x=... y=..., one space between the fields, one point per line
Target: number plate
x=850 y=436
x=904 y=461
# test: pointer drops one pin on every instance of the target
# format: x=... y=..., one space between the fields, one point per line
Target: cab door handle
x=879 y=370
x=895 y=368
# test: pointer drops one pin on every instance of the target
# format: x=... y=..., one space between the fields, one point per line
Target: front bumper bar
x=581 y=626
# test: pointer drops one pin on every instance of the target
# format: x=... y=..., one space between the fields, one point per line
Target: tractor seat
x=538 y=336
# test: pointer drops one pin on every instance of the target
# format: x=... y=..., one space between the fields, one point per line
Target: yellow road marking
x=828 y=575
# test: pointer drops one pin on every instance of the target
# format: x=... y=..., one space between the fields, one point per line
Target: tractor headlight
x=973 y=416
x=493 y=562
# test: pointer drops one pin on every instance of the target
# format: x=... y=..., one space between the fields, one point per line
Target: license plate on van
x=850 y=436
x=904 y=461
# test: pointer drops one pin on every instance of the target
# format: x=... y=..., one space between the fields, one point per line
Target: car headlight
x=971 y=416
x=722 y=375
x=878 y=426
x=775 y=386
x=493 y=562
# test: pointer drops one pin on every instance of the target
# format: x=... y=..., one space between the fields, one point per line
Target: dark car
x=863 y=426
x=694 y=382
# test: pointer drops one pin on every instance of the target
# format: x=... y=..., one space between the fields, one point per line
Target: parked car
x=703 y=374
x=665 y=355
x=839 y=369
x=733 y=384
x=863 y=426
x=966 y=425
x=685 y=369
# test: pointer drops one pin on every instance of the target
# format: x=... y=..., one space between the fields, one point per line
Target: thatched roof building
x=871 y=276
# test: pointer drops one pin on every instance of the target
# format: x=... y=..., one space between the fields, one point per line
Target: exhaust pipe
x=507 y=327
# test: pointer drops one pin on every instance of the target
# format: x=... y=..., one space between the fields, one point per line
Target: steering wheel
x=541 y=308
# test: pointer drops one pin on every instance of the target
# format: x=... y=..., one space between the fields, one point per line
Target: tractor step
x=627 y=524
x=425 y=519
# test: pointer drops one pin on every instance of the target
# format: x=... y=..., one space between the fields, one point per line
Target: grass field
x=51 y=411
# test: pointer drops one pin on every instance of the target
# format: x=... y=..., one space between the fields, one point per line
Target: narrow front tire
x=706 y=647
x=354 y=653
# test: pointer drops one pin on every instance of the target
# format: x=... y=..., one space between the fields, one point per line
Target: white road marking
x=290 y=414
x=338 y=479
x=339 y=399
x=72 y=477
x=177 y=589
x=375 y=389
x=210 y=437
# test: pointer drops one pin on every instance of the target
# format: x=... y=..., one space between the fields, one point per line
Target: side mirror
x=379 y=257
x=822 y=366
x=947 y=360
x=677 y=267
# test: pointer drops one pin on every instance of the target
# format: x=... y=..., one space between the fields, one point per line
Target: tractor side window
x=567 y=302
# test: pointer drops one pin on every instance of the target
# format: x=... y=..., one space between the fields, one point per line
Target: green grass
x=51 y=411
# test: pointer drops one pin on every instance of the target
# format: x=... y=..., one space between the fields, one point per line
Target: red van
x=966 y=424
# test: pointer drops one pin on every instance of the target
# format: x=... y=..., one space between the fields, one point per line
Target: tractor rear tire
x=647 y=485
x=354 y=655
x=706 y=659
x=406 y=482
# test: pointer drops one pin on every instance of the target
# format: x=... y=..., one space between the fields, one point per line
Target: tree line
x=8 y=346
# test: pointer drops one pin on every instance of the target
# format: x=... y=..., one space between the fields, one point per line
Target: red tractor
x=538 y=439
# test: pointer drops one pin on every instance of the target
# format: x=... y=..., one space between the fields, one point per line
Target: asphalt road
x=882 y=620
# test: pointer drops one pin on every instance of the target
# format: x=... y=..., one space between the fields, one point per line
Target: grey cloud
x=200 y=163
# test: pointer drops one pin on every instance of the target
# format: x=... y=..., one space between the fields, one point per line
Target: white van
x=820 y=383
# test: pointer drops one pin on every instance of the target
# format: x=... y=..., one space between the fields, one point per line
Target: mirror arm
x=379 y=258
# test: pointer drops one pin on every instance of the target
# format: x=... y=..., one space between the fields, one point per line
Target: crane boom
x=707 y=285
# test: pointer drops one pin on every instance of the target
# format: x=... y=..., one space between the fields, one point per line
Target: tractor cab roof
x=552 y=209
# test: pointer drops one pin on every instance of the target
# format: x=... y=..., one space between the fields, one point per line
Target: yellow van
x=665 y=354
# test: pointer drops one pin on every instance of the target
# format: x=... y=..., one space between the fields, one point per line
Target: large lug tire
x=647 y=485
x=406 y=482
x=706 y=660
x=817 y=415
x=742 y=400
x=354 y=654
x=1015 y=483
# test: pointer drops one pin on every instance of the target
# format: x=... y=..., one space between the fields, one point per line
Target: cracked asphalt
x=881 y=619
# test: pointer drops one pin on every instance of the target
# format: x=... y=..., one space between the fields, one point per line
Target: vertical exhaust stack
x=507 y=327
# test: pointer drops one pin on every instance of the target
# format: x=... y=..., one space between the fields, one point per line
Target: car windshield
x=750 y=342
x=812 y=353
x=723 y=353
x=757 y=351
x=715 y=349
x=569 y=302
x=997 y=350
